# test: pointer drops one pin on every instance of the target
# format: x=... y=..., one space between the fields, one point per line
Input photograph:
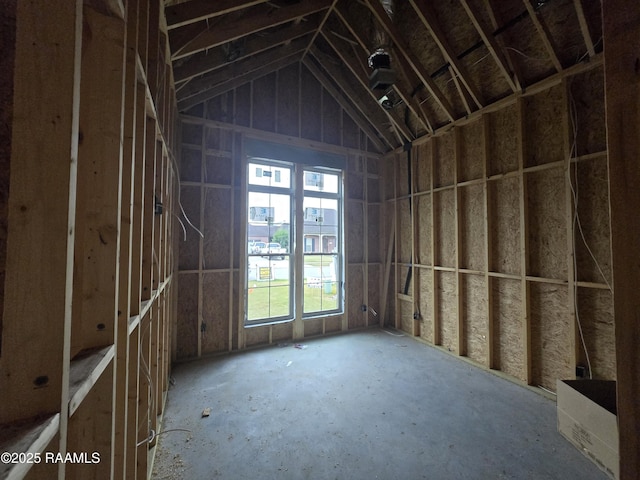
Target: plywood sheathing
x=505 y=220
x=474 y=314
x=215 y=312
x=509 y=355
x=551 y=335
x=472 y=220
x=189 y=256
x=187 y=321
x=446 y=299
x=547 y=224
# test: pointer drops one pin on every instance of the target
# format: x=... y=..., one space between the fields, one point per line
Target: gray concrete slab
x=363 y=405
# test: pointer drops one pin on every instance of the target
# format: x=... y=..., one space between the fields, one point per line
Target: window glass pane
x=320 y=225
x=269 y=228
x=269 y=175
x=321 y=275
x=320 y=182
x=268 y=288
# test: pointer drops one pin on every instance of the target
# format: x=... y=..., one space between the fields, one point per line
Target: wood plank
x=252 y=22
x=622 y=94
x=545 y=36
x=362 y=101
x=362 y=78
x=99 y=184
x=235 y=82
x=41 y=212
x=356 y=115
x=490 y=42
x=196 y=10
x=216 y=58
x=584 y=28
x=241 y=67
x=428 y=17
x=382 y=17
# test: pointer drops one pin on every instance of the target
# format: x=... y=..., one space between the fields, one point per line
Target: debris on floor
x=300 y=346
x=206 y=412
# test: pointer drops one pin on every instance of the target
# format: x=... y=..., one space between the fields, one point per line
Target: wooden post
x=622 y=92
x=41 y=213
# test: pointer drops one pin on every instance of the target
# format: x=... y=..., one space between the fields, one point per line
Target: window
x=280 y=266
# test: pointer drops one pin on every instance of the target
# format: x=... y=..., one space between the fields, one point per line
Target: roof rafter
x=362 y=77
x=236 y=81
x=545 y=36
x=490 y=43
x=413 y=61
x=408 y=100
x=429 y=19
x=357 y=116
x=584 y=27
x=362 y=101
x=204 y=62
x=252 y=22
x=197 y=10
x=197 y=85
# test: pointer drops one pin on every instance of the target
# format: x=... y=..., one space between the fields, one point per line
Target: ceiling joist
x=584 y=28
x=429 y=19
x=219 y=57
x=236 y=81
x=490 y=43
x=252 y=22
x=196 y=10
x=545 y=36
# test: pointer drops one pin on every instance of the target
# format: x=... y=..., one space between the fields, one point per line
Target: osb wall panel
x=311 y=125
x=217 y=235
x=350 y=132
x=264 y=103
x=313 y=327
x=586 y=95
x=422 y=159
x=595 y=309
x=215 y=312
x=189 y=247
x=403 y=286
x=192 y=134
x=218 y=169
x=423 y=229
x=218 y=139
x=402 y=174
x=331 y=117
x=374 y=295
x=373 y=166
x=373 y=233
x=471 y=151
x=373 y=190
x=444 y=223
x=505 y=225
x=220 y=108
x=404 y=230
x=444 y=162
x=281 y=332
x=355 y=296
x=255 y=336
x=333 y=324
x=508 y=344
x=237 y=230
x=242 y=115
x=190 y=164
x=187 y=319
x=503 y=140
x=424 y=288
x=446 y=301
x=551 y=335
x=354 y=224
x=544 y=135
x=593 y=214
x=547 y=227
x=406 y=315
x=288 y=100
x=474 y=315
x=472 y=224
x=236 y=310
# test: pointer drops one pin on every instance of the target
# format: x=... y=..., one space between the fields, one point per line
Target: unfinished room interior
x=320 y=239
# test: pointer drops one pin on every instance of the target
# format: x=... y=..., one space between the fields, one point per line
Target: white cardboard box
x=587 y=418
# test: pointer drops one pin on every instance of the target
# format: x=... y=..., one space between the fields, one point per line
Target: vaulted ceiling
x=450 y=58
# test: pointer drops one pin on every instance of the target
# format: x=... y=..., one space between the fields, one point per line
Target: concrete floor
x=363 y=405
